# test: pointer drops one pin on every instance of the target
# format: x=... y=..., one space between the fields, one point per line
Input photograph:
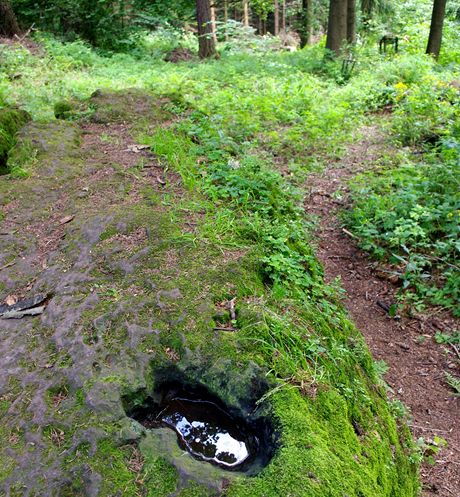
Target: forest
x=230 y=248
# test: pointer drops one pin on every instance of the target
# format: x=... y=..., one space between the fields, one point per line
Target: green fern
x=453 y=382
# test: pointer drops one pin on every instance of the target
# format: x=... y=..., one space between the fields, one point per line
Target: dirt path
x=416 y=363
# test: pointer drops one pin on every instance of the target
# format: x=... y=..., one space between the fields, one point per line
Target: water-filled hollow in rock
x=206 y=429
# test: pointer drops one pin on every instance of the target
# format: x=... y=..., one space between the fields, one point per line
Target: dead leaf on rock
x=11 y=299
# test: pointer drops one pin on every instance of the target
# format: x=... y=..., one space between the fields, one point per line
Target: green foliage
x=427 y=449
x=446 y=338
x=410 y=216
x=108 y=24
x=425 y=111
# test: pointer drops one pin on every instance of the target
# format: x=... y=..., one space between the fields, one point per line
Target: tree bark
x=351 y=21
x=207 y=46
x=213 y=22
x=277 y=18
x=246 y=12
x=8 y=23
x=283 y=17
x=437 y=24
x=337 y=25
x=226 y=18
x=306 y=28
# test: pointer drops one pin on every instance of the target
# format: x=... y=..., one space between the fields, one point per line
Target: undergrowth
x=409 y=215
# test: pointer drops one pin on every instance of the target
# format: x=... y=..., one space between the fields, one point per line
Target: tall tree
x=246 y=12
x=351 y=21
x=437 y=24
x=213 y=20
x=8 y=23
x=207 y=46
x=283 y=16
x=337 y=25
x=306 y=19
x=226 y=18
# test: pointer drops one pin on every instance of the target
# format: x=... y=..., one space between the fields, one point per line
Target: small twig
x=8 y=265
x=449 y=490
x=455 y=350
x=349 y=233
x=225 y=329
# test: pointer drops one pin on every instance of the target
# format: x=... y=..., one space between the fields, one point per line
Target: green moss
x=11 y=121
x=195 y=490
x=130 y=105
x=63 y=109
x=161 y=477
x=111 y=463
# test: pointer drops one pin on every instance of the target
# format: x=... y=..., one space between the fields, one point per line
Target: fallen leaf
x=161 y=180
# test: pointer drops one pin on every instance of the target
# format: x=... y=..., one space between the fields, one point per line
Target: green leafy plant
x=453 y=382
x=409 y=216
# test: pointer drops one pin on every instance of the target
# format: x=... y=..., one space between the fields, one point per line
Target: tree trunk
x=306 y=28
x=8 y=23
x=337 y=25
x=213 y=22
x=351 y=22
x=283 y=17
x=206 y=42
x=226 y=18
x=246 y=12
x=277 y=18
x=437 y=24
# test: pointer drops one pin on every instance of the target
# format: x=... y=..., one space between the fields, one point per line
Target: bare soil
x=417 y=364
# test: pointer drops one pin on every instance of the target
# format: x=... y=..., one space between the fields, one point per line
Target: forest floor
x=417 y=364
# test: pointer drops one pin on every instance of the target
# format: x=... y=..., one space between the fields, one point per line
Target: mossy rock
x=128 y=105
x=11 y=121
x=69 y=110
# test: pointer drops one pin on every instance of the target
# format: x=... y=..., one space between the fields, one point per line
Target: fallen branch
x=27 y=33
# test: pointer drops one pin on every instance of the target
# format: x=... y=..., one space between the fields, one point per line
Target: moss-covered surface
x=141 y=278
x=11 y=121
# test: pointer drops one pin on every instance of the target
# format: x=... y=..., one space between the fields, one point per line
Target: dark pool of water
x=206 y=430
